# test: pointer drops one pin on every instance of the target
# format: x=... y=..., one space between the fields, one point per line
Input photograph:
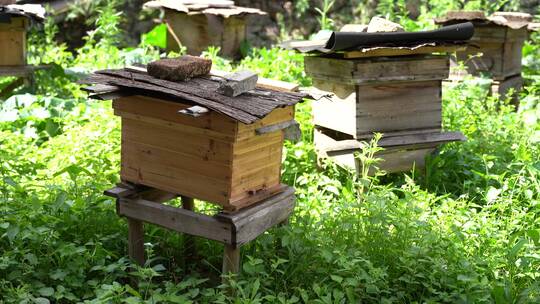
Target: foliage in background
x=467 y=231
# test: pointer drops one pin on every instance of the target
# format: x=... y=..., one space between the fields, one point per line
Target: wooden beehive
x=228 y=153
x=13 y=42
x=494 y=50
x=391 y=95
x=212 y=158
x=198 y=31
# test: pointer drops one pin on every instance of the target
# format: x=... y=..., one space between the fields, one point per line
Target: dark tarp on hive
x=246 y=108
x=349 y=41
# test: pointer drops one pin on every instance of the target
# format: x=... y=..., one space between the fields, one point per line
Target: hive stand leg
x=136 y=240
x=190 y=249
x=231 y=259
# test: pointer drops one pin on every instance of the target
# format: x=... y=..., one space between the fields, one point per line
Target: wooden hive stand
x=140 y=204
x=393 y=91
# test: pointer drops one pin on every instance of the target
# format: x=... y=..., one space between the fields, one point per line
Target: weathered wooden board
x=252 y=222
x=377 y=70
x=177 y=219
x=13 y=42
x=400 y=154
x=389 y=52
x=398 y=107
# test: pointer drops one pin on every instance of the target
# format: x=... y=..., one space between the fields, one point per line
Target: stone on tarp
x=238 y=83
x=378 y=24
x=357 y=28
x=179 y=69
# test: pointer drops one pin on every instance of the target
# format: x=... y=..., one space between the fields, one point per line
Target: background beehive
x=395 y=96
x=495 y=50
x=13 y=42
x=199 y=31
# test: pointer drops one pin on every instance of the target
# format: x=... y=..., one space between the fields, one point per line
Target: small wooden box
x=212 y=157
x=495 y=50
x=197 y=31
x=13 y=42
x=391 y=95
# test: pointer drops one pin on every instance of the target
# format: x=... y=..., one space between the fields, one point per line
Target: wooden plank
x=255 y=220
x=319 y=67
x=190 y=250
x=247 y=132
x=151 y=155
x=404 y=69
x=136 y=240
x=187 y=183
x=275 y=127
x=231 y=260
x=336 y=113
x=179 y=127
x=167 y=110
x=398 y=107
x=177 y=219
x=245 y=201
x=13 y=48
x=194 y=145
x=383 y=69
x=392 y=161
x=379 y=52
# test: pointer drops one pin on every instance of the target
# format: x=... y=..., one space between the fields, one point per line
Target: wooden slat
x=373 y=70
x=185 y=128
x=200 y=147
x=167 y=110
x=177 y=219
x=251 y=222
x=397 y=107
x=403 y=52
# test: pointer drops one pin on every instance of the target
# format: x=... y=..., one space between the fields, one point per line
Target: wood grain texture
x=383 y=52
x=13 y=42
x=400 y=154
x=253 y=221
x=136 y=240
x=176 y=219
x=380 y=69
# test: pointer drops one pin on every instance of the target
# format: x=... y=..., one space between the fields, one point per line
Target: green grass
x=466 y=231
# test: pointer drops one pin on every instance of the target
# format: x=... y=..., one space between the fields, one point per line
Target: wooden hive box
x=199 y=31
x=494 y=50
x=391 y=95
x=229 y=152
x=212 y=158
x=13 y=42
